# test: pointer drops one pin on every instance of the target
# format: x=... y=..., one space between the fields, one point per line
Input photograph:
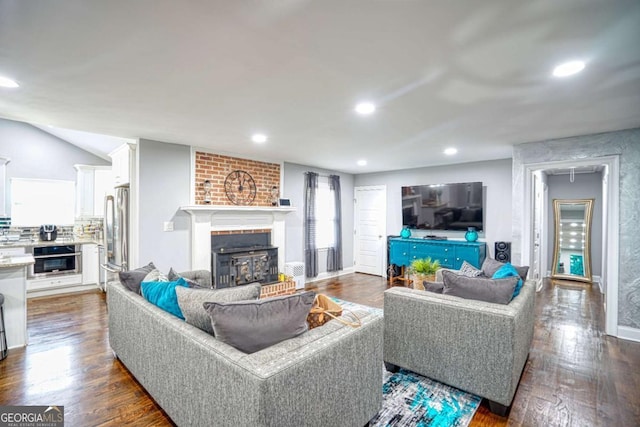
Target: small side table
x=405 y=281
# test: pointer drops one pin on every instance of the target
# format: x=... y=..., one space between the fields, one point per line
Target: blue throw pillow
x=163 y=294
x=509 y=270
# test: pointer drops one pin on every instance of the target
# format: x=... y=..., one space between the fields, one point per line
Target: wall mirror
x=572 y=249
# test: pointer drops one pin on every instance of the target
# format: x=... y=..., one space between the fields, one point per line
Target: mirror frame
x=588 y=203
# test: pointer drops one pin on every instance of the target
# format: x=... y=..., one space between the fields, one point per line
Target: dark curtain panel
x=334 y=255
x=310 y=249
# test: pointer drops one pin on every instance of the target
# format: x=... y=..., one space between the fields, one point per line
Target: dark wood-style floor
x=575 y=376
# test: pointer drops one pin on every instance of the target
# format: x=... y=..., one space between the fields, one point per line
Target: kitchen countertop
x=18 y=260
x=60 y=241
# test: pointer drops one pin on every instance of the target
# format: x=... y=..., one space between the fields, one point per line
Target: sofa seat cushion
x=163 y=295
x=191 y=301
x=251 y=326
x=498 y=291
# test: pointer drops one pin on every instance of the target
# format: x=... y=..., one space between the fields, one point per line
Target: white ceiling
x=470 y=74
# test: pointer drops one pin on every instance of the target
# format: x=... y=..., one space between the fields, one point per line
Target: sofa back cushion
x=490 y=266
x=498 y=291
x=191 y=301
x=251 y=326
x=509 y=270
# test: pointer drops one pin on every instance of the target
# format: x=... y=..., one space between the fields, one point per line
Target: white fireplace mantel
x=208 y=218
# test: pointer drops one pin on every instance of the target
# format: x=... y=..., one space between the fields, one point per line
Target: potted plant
x=423 y=269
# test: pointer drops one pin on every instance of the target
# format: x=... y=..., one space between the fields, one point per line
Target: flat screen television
x=456 y=206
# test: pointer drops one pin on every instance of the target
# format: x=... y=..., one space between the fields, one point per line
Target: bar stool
x=3 y=335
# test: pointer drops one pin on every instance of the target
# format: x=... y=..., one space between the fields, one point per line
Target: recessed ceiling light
x=259 y=138
x=7 y=82
x=568 y=68
x=450 y=151
x=365 y=108
x=362 y=162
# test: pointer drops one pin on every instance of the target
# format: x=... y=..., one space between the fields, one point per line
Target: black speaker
x=503 y=251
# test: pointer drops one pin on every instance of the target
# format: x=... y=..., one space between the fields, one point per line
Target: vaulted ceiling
x=473 y=75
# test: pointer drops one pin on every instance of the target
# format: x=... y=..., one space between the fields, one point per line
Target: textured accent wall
x=215 y=168
x=625 y=144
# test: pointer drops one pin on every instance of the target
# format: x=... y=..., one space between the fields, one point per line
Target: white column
x=201 y=241
x=278 y=237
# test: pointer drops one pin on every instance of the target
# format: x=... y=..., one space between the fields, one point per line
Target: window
x=42 y=201
x=325 y=215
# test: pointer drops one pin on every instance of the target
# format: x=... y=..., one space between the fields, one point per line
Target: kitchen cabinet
x=56 y=282
x=121 y=159
x=90 y=264
x=93 y=183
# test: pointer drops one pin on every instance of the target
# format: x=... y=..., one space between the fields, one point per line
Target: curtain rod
x=323 y=175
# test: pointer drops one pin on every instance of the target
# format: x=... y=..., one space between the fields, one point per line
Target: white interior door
x=370 y=229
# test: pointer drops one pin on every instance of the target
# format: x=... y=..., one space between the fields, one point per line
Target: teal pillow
x=163 y=295
x=509 y=270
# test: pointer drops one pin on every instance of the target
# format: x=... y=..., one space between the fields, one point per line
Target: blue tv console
x=450 y=253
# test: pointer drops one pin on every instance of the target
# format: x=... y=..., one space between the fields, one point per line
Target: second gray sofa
x=475 y=346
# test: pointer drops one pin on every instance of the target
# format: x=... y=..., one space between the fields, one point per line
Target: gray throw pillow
x=131 y=279
x=498 y=291
x=435 y=287
x=469 y=270
x=490 y=266
x=251 y=326
x=191 y=300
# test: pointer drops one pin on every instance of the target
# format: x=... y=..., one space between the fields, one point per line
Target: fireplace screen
x=249 y=268
x=240 y=259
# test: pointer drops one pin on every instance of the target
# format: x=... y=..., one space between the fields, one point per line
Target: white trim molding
x=208 y=218
x=611 y=249
x=330 y=275
x=629 y=333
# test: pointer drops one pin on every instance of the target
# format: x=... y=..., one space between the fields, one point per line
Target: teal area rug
x=410 y=399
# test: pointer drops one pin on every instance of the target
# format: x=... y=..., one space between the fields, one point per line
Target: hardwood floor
x=575 y=375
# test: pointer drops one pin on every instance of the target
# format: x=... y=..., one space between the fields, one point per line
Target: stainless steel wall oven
x=55 y=260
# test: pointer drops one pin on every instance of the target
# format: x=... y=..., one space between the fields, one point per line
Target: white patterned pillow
x=469 y=270
x=155 y=275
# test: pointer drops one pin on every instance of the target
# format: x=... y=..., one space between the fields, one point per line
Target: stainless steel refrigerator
x=116 y=231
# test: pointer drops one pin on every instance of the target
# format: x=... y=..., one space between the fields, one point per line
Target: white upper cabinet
x=121 y=165
x=93 y=183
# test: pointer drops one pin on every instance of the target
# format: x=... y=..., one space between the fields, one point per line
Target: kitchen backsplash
x=90 y=228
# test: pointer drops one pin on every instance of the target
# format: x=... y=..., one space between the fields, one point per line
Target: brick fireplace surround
x=221 y=216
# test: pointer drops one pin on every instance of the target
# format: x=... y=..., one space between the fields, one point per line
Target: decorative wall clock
x=240 y=187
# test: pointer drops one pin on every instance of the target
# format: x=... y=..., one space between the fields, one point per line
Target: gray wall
x=624 y=143
x=39 y=155
x=293 y=188
x=496 y=180
x=164 y=182
x=585 y=186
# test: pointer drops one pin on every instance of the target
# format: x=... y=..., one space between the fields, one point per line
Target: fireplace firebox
x=242 y=258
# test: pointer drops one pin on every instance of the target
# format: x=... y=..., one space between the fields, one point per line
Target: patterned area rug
x=410 y=399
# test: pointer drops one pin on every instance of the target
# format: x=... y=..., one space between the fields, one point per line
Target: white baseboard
x=629 y=333
x=598 y=280
x=62 y=290
x=330 y=275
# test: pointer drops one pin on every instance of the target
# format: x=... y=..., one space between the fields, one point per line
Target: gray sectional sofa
x=476 y=346
x=328 y=376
